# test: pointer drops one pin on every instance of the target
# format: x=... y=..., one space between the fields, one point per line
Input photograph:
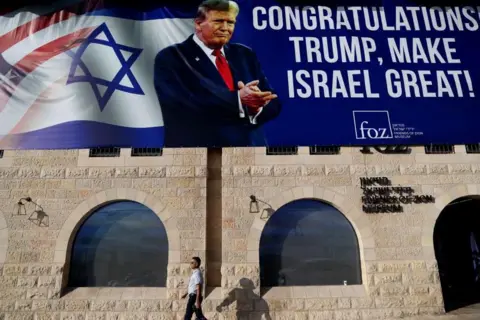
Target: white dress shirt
x=209 y=53
x=195 y=279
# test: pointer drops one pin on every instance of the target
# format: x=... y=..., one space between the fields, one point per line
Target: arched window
x=309 y=242
x=123 y=244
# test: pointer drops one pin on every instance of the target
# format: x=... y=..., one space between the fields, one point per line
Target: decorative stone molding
x=3 y=239
x=74 y=220
x=359 y=221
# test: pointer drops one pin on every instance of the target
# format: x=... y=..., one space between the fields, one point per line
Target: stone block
x=180 y=171
x=96 y=316
x=347 y=315
x=241 y=171
x=23 y=305
x=127 y=172
x=101 y=173
x=18 y=315
x=419 y=290
x=39 y=305
x=377 y=314
x=53 y=173
x=154 y=172
x=13 y=294
x=337 y=170
x=15 y=270
x=287 y=171
x=413 y=169
x=162 y=316
x=384 y=302
x=8 y=173
x=201 y=171
x=363 y=303
x=37 y=293
x=321 y=315
x=387 y=278
x=321 y=304
x=8 y=282
x=114 y=316
x=292 y=305
x=437 y=169
x=73 y=316
x=420 y=301
x=46 y=281
x=344 y=303
x=313 y=170
x=393 y=266
x=27 y=282
x=387 y=170
x=28 y=173
x=460 y=168
x=393 y=290
x=7 y=305
x=419 y=278
x=180 y=183
x=261 y=171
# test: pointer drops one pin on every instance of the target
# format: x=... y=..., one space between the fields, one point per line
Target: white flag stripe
x=77 y=101
x=14 y=19
x=18 y=51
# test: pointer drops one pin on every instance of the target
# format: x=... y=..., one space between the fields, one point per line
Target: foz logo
x=372 y=124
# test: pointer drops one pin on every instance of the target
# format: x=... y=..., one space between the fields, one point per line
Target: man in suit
x=213 y=93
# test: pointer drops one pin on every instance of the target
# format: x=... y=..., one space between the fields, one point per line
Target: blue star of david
x=125 y=70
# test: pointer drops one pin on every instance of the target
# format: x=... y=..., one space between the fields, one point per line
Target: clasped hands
x=252 y=97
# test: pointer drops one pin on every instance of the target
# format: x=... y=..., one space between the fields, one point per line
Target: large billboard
x=82 y=74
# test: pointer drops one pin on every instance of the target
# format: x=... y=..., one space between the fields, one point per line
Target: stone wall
x=399 y=270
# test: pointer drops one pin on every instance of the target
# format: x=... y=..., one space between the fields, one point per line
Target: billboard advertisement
x=84 y=73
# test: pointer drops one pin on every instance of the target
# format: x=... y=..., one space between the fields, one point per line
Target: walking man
x=194 y=293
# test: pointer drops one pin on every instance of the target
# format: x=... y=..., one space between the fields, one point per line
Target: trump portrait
x=212 y=92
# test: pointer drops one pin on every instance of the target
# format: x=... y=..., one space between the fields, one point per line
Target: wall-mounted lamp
x=38 y=216
x=254 y=208
x=21 y=206
x=254 y=205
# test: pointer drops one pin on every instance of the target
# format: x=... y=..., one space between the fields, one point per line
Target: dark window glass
x=104 y=152
x=146 y=152
x=123 y=244
x=308 y=242
x=439 y=149
x=473 y=148
x=282 y=151
x=324 y=150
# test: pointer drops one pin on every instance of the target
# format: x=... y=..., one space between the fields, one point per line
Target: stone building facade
x=202 y=198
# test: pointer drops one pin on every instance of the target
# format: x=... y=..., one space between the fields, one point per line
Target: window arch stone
x=346 y=206
x=121 y=244
x=308 y=242
x=75 y=219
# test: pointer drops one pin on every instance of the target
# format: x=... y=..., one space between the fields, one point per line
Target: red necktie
x=224 y=69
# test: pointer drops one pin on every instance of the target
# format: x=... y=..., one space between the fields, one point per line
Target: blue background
x=329 y=121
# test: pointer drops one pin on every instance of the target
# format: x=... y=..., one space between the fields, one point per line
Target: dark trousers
x=191 y=309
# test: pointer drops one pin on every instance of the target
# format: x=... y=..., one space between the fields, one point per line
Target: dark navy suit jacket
x=198 y=109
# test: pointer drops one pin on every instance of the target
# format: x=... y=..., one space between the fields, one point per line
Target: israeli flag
x=84 y=73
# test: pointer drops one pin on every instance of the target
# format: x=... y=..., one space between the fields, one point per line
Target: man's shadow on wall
x=249 y=304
